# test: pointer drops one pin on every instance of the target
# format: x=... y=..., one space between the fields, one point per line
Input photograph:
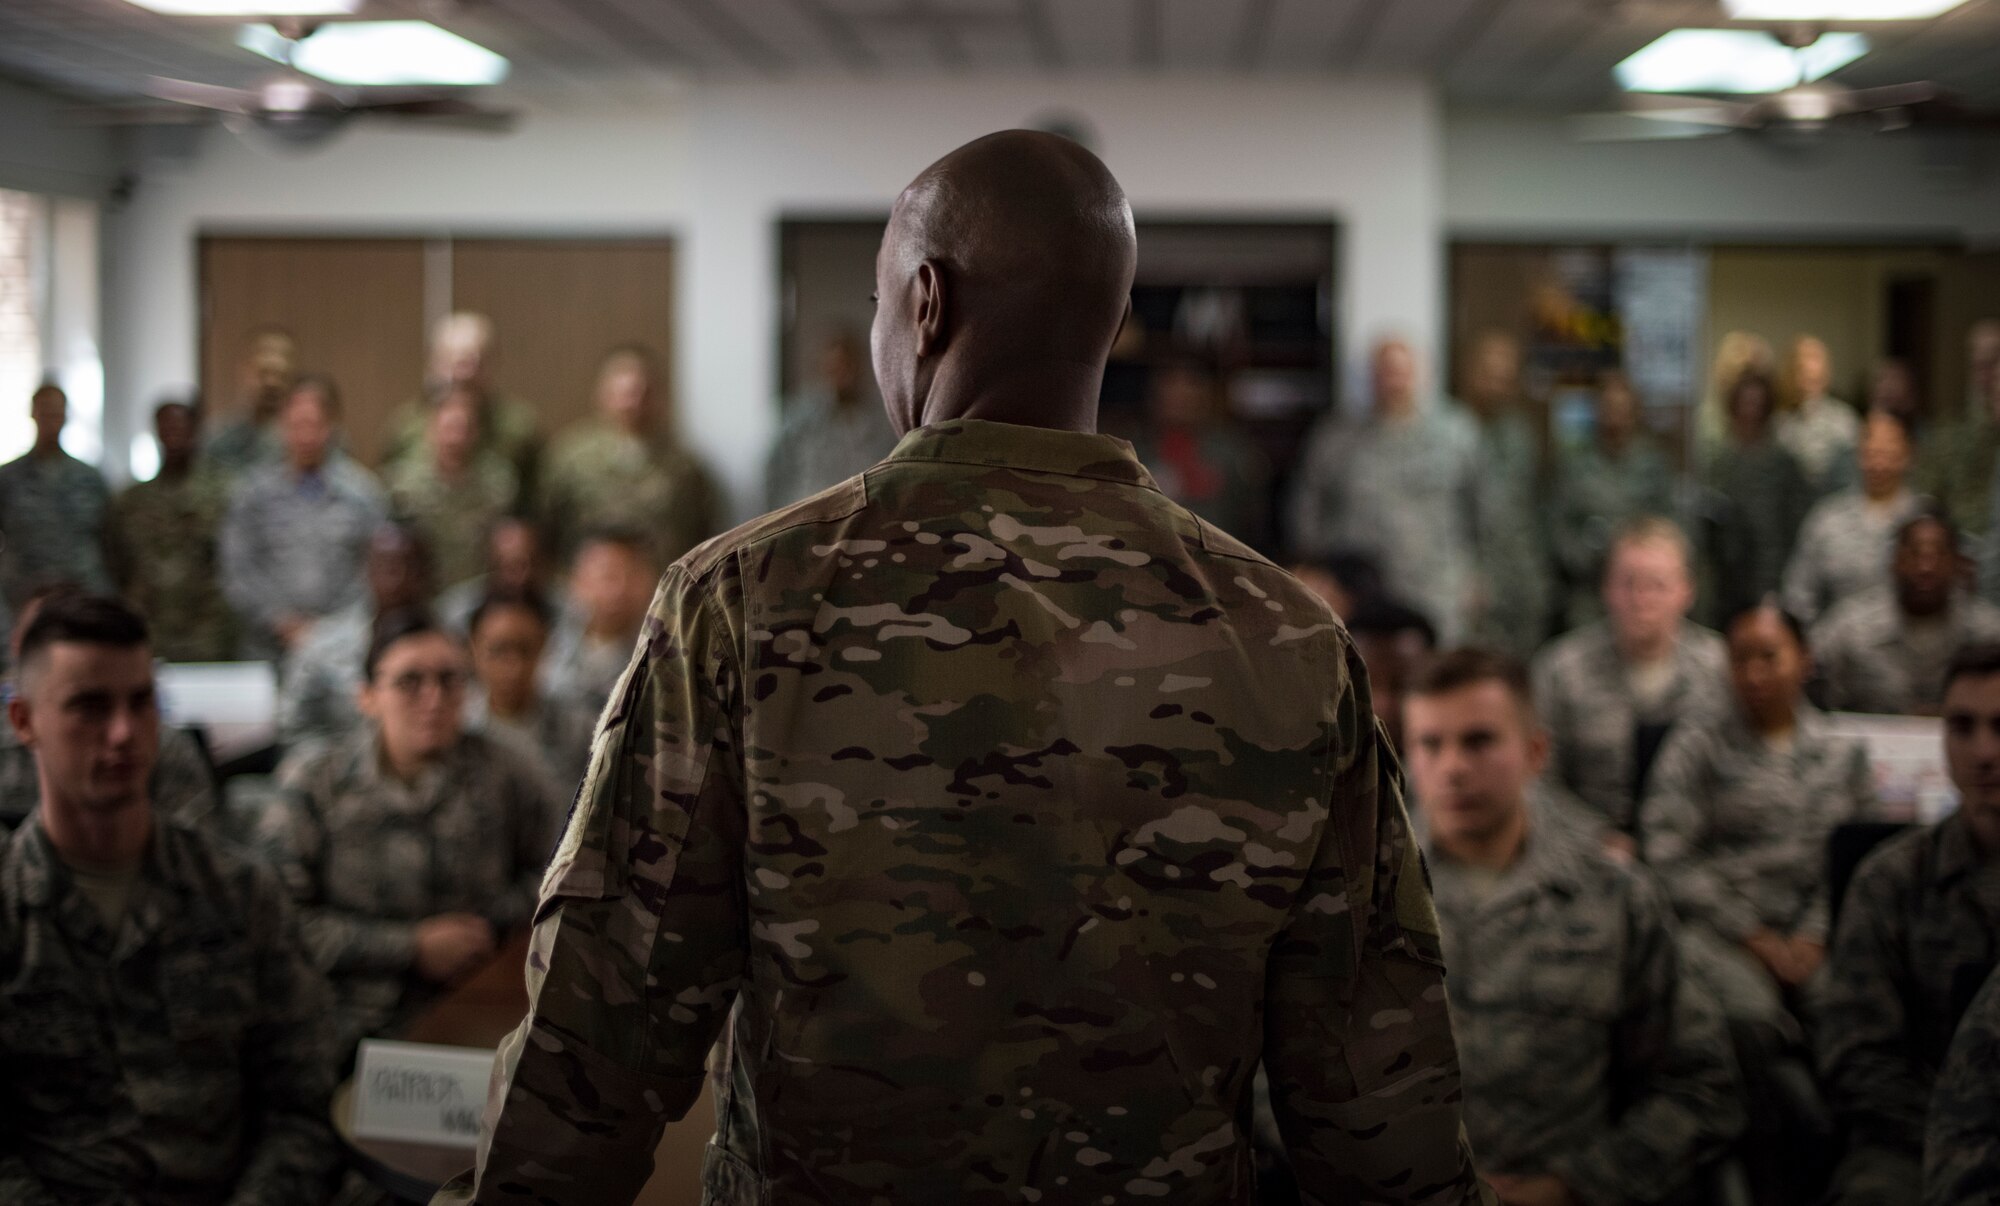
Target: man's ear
x=932 y=307
x=22 y=717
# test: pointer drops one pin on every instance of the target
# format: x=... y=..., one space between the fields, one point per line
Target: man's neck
x=301 y=470
x=1396 y=409
x=1496 y=850
x=176 y=468
x=1059 y=395
x=111 y=839
x=403 y=765
x=520 y=708
x=47 y=451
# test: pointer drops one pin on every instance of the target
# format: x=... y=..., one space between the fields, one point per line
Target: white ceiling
x=1541 y=53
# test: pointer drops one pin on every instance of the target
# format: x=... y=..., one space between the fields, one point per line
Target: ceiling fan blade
x=453 y=113
x=1897 y=96
x=137 y=115
x=1638 y=127
x=204 y=96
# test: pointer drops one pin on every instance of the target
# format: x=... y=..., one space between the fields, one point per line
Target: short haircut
x=1980 y=659
x=394 y=626
x=636 y=353
x=1469 y=666
x=190 y=404
x=1930 y=512
x=1884 y=414
x=517 y=600
x=46 y=388
x=70 y=617
x=1651 y=529
x=1769 y=603
x=321 y=385
x=1385 y=617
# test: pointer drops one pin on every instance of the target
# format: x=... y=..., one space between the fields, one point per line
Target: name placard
x=420 y=1093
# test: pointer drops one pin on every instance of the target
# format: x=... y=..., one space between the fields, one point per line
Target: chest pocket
x=209 y=995
x=1541 y=1008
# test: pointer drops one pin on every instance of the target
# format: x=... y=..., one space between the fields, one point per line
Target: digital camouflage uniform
x=580 y=670
x=1919 y=933
x=182 y=786
x=1868 y=660
x=507 y=429
x=1843 y=551
x=1405 y=492
x=166 y=553
x=1594 y=496
x=1585 y=697
x=240 y=445
x=821 y=443
x=1822 y=434
x=1956 y=462
x=1756 y=498
x=1962 y=1135
x=599 y=477
x=297 y=545
x=1737 y=830
x=556 y=735
x=1587 y=1055
x=319 y=700
x=1513 y=555
x=1018 y=814
x=54 y=514
x=183 y=1060
x=454 y=518
x=367 y=857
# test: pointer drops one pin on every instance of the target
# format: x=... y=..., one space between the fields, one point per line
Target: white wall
x=718 y=165
x=1521 y=174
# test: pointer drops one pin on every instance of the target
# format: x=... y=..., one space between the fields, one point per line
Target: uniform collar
x=1956 y=855
x=1030 y=449
x=46 y=883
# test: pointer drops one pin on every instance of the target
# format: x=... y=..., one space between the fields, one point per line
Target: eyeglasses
x=411 y=683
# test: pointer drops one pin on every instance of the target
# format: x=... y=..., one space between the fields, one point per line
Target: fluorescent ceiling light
x=1733 y=60
x=251 y=8
x=1837 y=10
x=363 y=53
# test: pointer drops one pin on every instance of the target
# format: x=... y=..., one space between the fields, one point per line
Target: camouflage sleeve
x=639 y=941
x=1962 y=1140
x=1876 y=1082
x=294 y=1158
x=1673 y=1068
x=1357 y=1038
x=1859 y=804
x=289 y=834
x=245 y=583
x=1802 y=588
x=183 y=782
x=1674 y=826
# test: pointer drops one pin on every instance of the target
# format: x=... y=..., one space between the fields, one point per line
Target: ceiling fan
x=294 y=107
x=1799 y=113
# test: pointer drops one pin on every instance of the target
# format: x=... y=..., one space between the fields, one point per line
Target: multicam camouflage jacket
x=1018 y=815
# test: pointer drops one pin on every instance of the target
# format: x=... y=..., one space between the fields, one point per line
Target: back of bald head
x=1036 y=233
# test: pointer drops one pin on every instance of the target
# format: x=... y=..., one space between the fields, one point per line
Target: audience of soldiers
x=1661 y=991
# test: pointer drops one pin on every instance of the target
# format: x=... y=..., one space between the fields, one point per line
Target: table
x=479 y=1012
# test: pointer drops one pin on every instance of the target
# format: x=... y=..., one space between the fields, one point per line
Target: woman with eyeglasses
x=413 y=846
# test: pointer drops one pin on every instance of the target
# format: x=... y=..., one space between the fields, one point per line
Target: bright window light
x=251 y=8
x=1837 y=10
x=364 y=53
x=1733 y=60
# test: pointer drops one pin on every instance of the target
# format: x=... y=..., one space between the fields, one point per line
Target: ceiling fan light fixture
x=251 y=8
x=1837 y=10
x=1734 y=61
x=381 y=53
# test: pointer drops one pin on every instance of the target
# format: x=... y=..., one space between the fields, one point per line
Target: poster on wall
x=1660 y=294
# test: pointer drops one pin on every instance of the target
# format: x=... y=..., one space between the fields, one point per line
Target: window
x=48 y=318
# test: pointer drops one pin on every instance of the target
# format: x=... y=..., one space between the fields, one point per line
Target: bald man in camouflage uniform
x=1011 y=813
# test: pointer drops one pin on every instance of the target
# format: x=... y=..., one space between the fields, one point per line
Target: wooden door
x=355 y=306
x=558 y=305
